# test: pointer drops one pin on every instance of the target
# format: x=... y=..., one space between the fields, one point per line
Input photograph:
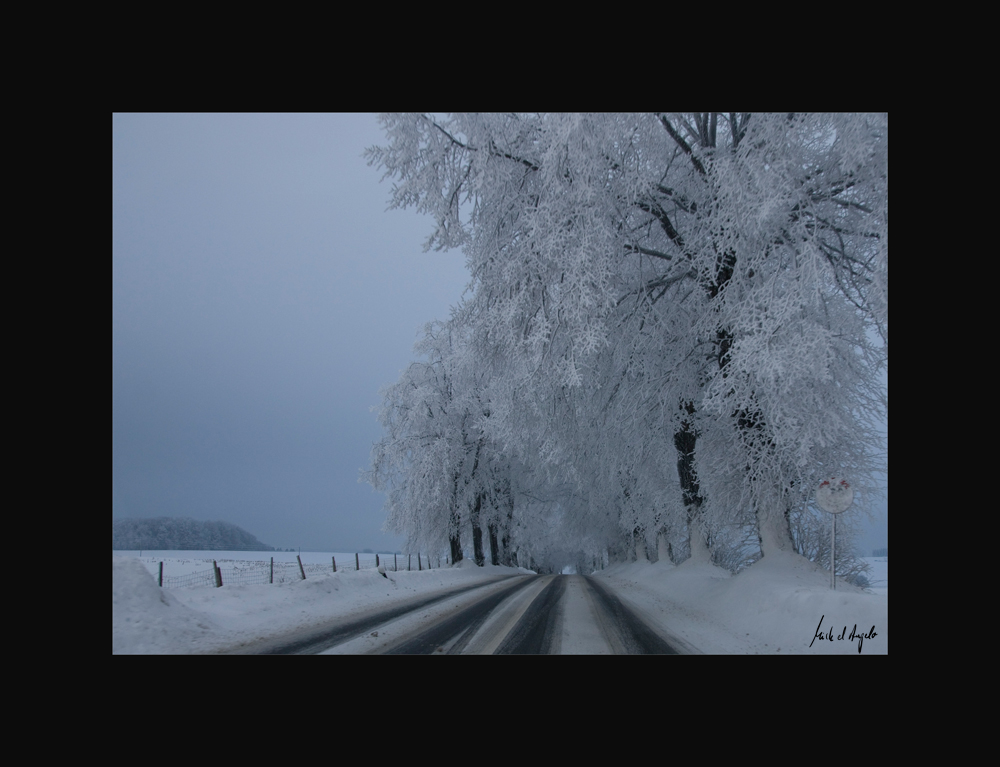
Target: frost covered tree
x=800 y=318
x=418 y=462
x=711 y=286
x=440 y=473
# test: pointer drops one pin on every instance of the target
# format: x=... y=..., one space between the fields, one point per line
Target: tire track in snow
x=634 y=635
x=537 y=631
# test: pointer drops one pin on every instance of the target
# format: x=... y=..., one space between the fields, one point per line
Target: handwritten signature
x=861 y=636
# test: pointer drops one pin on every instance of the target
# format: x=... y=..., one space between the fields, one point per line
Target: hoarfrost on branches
x=675 y=323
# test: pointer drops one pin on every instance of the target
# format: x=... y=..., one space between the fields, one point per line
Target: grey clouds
x=261 y=295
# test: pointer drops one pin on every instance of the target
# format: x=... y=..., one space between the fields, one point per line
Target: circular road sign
x=834 y=495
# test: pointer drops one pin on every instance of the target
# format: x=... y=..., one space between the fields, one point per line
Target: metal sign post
x=835 y=496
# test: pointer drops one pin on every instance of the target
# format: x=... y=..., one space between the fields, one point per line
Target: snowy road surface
x=523 y=615
x=772 y=607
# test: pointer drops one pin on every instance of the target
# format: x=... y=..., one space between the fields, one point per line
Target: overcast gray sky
x=261 y=296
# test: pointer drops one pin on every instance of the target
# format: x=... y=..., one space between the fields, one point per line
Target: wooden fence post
x=272 y=569
x=334 y=563
x=395 y=564
x=218 y=574
x=161 y=575
x=301 y=570
x=420 y=565
x=409 y=560
x=357 y=565
x=376 y=562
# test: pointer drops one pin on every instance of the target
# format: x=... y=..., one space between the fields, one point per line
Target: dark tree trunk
x=455 y=534
x=685 y=440
x=507 y=556
x=477 y=533
x=639 y=541
x=456 y=548
x=494 y=545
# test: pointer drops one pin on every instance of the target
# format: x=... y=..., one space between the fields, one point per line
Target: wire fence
x=206 y=578
x=255 y=572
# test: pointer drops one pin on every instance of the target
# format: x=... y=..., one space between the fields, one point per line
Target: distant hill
x=181 y=533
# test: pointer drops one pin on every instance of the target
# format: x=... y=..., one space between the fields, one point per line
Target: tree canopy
x=676 y=324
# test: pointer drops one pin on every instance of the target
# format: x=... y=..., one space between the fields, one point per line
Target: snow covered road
x=772 y=607
x=317 y=640
x=534 y=615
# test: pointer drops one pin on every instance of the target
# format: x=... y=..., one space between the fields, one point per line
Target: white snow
x=775 y=606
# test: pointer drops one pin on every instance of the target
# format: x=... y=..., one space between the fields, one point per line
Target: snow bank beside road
x=148 y=619
x=775 y=606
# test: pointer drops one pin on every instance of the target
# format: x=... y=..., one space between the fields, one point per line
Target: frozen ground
x=773 y=607
x=148 y=619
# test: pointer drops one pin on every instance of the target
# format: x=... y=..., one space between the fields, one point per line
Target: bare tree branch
x=682 y=144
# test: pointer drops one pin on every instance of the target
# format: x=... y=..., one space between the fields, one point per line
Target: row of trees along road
x=675 y=325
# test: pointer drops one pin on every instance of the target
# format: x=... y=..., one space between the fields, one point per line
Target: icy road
x=519 y=615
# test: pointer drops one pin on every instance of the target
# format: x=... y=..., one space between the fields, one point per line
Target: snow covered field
x=181 y=563
x=148 y=619
x=773 y=607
